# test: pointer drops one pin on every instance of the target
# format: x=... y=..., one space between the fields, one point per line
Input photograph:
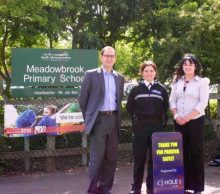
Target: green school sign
x=50 y=72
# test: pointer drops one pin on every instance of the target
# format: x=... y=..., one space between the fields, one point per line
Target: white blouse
x=194 y=96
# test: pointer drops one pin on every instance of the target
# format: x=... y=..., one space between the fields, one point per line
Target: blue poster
x=168 y=172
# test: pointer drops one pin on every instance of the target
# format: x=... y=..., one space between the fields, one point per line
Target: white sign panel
x=75 y=117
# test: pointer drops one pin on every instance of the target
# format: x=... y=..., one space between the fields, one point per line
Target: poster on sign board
x=168 y=171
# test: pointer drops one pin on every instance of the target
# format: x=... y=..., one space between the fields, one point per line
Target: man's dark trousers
x=103 y=153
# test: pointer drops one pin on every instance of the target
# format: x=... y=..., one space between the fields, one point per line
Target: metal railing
x=46 y=152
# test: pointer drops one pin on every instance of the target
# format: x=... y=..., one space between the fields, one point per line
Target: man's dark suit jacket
x=92 y=95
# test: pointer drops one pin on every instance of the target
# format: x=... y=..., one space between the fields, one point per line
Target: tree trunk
x=5 y=75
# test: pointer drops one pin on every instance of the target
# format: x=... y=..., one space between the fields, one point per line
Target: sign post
x=168 y=169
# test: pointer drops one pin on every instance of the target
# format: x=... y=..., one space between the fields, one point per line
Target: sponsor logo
x=56 y=57
x=40 y=129
x=169 y=182
x=156 y=91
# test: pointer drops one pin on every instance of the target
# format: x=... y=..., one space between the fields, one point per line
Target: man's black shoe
x=134 y=192
x=213 y=163
x=188 y=192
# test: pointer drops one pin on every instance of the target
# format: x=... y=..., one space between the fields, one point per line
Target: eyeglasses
x=109 y=56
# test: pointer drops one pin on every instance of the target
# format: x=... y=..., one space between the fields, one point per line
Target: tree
x=204 y=38
x=95 y=23
x=171 y=28
x=129 y=58
x=21 y=26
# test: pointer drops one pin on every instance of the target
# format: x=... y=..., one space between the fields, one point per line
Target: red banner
x=44 y=130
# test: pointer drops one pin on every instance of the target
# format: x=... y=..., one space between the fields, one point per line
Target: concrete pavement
x=76 y=181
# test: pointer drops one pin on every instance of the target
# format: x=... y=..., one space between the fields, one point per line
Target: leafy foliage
x=160 y=30
x=171 y=28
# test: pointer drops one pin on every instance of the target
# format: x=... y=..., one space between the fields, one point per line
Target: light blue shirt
x=110 y=92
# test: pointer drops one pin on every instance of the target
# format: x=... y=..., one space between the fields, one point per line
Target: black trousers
x=103 y=154
x=193 y=133
x=142 y=149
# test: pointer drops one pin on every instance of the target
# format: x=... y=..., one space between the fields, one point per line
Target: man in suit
x=100 y=98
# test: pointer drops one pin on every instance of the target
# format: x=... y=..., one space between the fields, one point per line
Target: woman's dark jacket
x=148 y=105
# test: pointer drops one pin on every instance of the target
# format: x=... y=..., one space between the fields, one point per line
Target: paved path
x=75 y=182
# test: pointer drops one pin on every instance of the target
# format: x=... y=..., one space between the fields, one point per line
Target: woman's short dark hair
x=192 y=60
x=146 y=64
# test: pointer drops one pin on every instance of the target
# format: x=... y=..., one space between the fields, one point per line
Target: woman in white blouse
x=188 y=100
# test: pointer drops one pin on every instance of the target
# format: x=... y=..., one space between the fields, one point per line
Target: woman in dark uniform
x=147 y=105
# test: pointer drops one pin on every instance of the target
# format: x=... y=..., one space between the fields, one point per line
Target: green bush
x=209 y=133
x=213 y=108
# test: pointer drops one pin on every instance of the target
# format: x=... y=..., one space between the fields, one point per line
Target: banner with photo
x=33 y=119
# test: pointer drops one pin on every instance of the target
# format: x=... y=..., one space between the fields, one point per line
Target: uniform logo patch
x=156 y=92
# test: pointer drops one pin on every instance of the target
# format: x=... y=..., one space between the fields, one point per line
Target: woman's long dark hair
x=192 y=59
